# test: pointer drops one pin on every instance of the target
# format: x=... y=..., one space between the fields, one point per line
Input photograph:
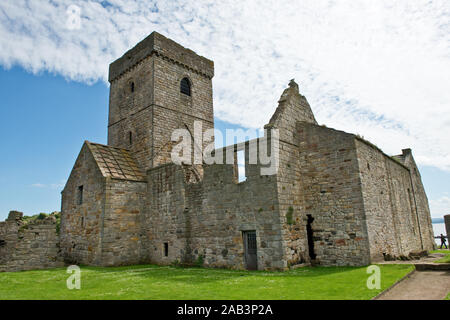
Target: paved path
x=430 y=258
x=421 y=285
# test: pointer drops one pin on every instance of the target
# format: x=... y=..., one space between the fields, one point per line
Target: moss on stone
x=289 y=215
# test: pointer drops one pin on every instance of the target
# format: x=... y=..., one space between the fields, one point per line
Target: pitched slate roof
x=116 y=162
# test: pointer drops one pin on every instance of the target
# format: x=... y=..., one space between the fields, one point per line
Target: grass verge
x=172 y=283
x=446 y=258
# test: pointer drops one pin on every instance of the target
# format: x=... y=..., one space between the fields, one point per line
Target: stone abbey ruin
x=336 y=199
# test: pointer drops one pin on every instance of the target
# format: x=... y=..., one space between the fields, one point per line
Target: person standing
x=443 y=241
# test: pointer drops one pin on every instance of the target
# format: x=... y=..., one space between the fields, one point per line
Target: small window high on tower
x=185 y=86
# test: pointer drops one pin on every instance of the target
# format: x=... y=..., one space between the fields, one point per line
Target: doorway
x=250 y=250
x=310 y=235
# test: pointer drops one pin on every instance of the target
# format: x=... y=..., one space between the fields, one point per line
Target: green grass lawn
x=157 y=282
x=446 y=258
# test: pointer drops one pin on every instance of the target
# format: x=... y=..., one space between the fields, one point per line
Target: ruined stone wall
x=331 y=194
x=236 y=207
x=292 y=210
x=292 y=108
x=34 y=245
x=420 y=201
x=204 y=221
x=447 y=225
x=403 y=208
x=164 y=220
x=388 y=203
x=121 y=225
x=81 y=224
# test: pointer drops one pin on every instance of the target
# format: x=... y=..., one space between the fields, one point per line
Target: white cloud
x=38 y=185
x=377 y=68
x=51 y=185
x=440 y=207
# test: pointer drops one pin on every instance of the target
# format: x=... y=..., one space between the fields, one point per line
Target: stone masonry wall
x=175 y=110
x=120 y=232
x=132 y=112
x=81 y=224
x=447 y=226
x=34 y=245
x=205 y=220
x=331 y=194
x=156 y=107
x=420 y=201
x=389 y=207
x=292 y=108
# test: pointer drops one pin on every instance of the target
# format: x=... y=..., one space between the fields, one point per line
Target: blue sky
x=375 y=68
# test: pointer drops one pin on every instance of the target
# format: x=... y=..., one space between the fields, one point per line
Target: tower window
x=80 y=195
x=130 y=138
x=185 y=86
x=132 y=87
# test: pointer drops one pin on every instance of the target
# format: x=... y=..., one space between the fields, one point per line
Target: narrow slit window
x=80 y=195
x=166 y=249
x=185 y=86
x=130 y=138
x=132 y=87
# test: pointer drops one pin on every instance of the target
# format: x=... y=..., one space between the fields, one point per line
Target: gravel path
x=421 y=285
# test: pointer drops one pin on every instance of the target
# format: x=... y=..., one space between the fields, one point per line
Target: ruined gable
x=292 y=108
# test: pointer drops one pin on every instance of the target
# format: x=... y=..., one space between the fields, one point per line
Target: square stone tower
x=156 y=87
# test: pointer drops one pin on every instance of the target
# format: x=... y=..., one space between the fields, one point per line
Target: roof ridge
x=106 y=145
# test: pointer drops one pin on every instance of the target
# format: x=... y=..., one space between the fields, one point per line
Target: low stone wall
x=27 y=246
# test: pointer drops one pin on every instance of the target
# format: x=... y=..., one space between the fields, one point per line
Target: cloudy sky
x=377 y=68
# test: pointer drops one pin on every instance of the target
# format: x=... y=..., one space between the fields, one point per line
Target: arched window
x=185 y=86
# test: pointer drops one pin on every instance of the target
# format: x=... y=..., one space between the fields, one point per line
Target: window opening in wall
x=80 y=195
x=130 y=138
x=185 y=86
x=132 y=87
x=166 y=249
x=310 y=235
x=241 y=166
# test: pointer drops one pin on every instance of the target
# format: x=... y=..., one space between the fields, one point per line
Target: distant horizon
x=438 y=220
